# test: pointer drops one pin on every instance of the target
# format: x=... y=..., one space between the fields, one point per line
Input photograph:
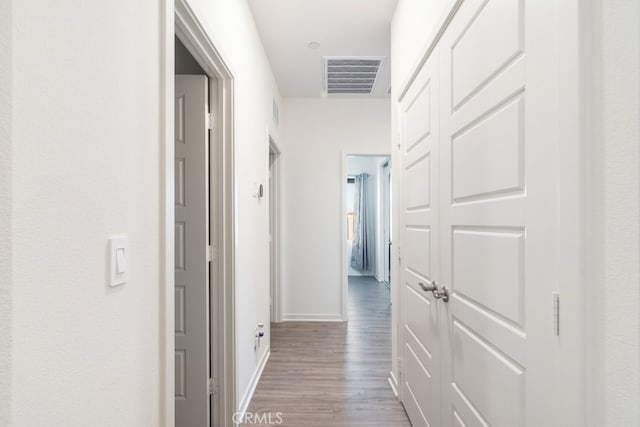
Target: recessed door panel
x=488 y=269
x=418 y=117
x=498 y=399
x=487 y=156
x=492 y=37
x=418 y=251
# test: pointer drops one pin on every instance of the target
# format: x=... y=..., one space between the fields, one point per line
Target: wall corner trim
x=296 y=317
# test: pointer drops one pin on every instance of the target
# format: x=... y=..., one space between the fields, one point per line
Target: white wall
x=231 y=26
x=87 y=167
x=613 y=197
x=316 y=132
x=5 y=213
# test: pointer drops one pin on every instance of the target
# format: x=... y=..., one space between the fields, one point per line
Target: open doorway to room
x=195 y=285
x=199 y=302
x=367 y=201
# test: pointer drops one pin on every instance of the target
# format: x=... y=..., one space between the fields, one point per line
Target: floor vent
x=351 y=76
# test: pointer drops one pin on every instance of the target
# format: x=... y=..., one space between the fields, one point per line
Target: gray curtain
x=362 y=251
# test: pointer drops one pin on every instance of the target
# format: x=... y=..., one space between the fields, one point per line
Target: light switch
x=121 y=261
x=118 y=265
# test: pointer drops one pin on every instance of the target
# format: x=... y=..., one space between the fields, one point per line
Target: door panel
x=497 y=216
x=191 y=242
x=497 y=391
x=486 y=158
x=420 y=263
x=488 y=268
x=491 y=36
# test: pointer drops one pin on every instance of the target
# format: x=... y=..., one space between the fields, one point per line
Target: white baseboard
x=312 y=317
x=251 y=388
x=393 y=382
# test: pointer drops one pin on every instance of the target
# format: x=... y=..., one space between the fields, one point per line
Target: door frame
x=179 y=20
x=275 y=209
x=385 y=223
x=344 y=155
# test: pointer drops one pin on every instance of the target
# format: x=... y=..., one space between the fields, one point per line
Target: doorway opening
x=198 y=376
x=195 y=281
x=368 y=233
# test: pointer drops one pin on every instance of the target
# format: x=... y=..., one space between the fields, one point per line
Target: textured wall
x=5 y=212
x=86 y=114
x=614 y=196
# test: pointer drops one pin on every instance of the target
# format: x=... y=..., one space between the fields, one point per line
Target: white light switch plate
x=118 y=261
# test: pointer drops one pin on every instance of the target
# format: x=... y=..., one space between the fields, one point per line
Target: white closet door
x=420 y=249
x=191 y=242
x=498 y=213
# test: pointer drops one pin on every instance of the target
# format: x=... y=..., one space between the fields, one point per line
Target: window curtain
x=362 y=251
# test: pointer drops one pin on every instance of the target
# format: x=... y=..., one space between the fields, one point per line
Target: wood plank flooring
x=333 y=374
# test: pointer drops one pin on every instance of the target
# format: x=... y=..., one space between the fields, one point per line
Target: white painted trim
x=312 y=318
x=167 y=165
x=180 y=20
x=277 y=234
x=253 y=383
x=344 y=153
x=358 y=274
x=397 y=316
x=393 y=382
x=571 y=214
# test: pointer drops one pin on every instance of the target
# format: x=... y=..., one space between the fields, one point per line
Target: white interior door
x=480 y=218
x=420 y=249
x=192 y=358
x=498 y=213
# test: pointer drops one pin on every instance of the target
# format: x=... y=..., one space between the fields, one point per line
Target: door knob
x=431 y=287
x=438 y=293
x=442 y=294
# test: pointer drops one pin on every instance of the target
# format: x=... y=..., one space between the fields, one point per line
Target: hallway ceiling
x=353 y=28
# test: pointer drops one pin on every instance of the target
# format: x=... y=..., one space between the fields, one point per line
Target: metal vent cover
x=351 y=75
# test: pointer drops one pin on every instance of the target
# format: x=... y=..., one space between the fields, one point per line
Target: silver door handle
x=442 y=294
x=438 y=293
x=431 y=287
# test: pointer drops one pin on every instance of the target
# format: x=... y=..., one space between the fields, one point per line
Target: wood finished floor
x=331 y=373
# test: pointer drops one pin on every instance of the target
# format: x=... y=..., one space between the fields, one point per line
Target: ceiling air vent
x=351 y=76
